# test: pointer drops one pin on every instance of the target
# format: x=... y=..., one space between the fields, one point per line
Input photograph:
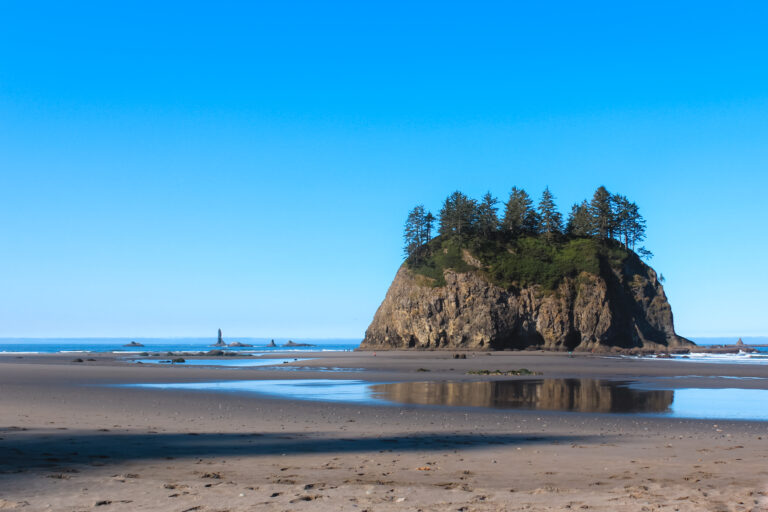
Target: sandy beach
x=73 y=437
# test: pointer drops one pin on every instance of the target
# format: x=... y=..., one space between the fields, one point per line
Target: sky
x=171 y=168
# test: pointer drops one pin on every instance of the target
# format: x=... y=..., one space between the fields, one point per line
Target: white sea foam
x=740 y=358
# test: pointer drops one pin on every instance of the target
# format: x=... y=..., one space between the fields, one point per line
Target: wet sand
x=71 y=439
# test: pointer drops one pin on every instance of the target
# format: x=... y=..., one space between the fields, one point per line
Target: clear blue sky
x=169 y=168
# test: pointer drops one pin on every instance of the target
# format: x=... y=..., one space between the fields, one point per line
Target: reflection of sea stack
x=584 y=395
x=220 y=341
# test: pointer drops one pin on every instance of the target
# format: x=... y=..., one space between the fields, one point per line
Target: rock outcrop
x=624 y=308
x=293 y=344
x=239 y=344
x=219 y=341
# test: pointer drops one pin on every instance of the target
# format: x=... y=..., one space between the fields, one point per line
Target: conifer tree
x=621 y=214
x=458 y=215
x=429 y=222
x=629 y=225
x=487 y=219
x=551 y=220
x=417 y=230
x=645 y=253
x=601 y=209
x=580 y=221
x=520 y=217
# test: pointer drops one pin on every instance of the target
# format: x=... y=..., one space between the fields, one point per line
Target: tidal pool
x=571 y=395
x=302 y=389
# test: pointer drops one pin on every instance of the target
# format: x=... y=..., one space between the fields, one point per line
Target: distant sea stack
x=219 y=341
x=619 y=302
x=293 y=344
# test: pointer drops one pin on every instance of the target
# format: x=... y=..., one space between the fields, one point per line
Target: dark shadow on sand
x=25 y=450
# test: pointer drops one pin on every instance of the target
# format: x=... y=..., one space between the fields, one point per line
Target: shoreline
x=73 y=436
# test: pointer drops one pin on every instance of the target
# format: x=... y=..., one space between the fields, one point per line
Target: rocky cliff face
x=624 y=308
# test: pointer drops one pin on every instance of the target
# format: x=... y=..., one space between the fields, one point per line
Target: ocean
x=117 y=345
x=261 y=345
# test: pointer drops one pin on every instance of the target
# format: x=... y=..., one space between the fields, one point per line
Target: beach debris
x=78 y=360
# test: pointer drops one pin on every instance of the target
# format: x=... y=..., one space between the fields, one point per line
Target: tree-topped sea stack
x=525 y=281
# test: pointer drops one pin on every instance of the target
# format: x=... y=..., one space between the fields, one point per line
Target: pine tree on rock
x=520 y=217
x=458 y=215
x=417 y=230
x=487 y=219
x=601 y=209
x=429 y=222
x=551 y=221
x=580 y=221
x=629 y=225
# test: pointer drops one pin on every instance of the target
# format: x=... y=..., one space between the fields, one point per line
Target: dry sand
x=71 y=440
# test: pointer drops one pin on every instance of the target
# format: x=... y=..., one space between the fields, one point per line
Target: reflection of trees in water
x=584 y=395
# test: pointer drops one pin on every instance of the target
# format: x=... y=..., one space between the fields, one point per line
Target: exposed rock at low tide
x=293 y=344
x=238 y=344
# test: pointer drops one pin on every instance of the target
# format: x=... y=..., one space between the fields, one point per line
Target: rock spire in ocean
x=220 y=341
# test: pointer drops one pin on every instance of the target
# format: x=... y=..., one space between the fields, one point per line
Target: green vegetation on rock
x=517 y=263
x=530 y=245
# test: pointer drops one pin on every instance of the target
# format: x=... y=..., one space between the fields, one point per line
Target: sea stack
x=220 y=341
x=457 y=298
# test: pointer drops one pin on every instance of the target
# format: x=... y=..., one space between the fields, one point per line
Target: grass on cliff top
x=522 y=262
